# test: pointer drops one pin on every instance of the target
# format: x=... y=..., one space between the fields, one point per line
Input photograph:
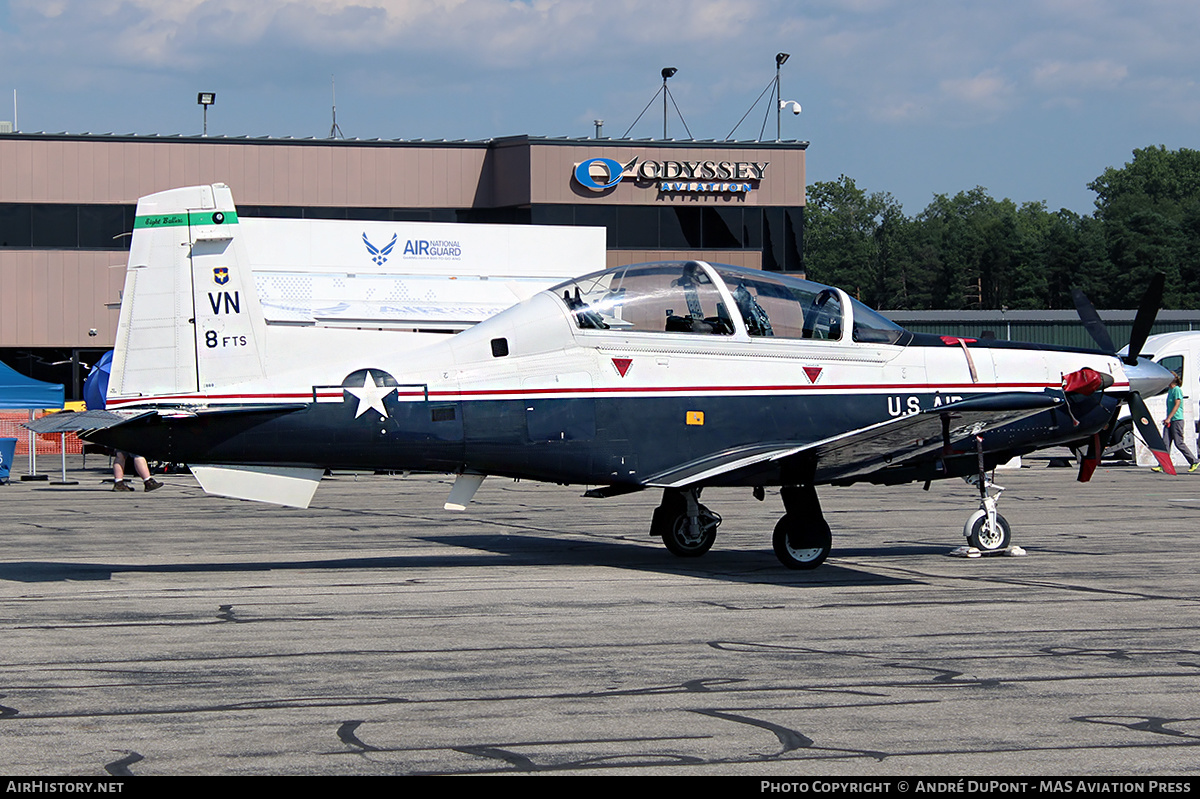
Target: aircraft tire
x=681 y=543
x=816 y=541
x=1122 y=446
x=985 y=539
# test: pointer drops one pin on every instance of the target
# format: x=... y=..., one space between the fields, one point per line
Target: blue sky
x=1030 y=99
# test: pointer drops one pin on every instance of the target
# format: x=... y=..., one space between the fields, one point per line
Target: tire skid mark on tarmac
x=1126 y=654
x=504 y=752
x=943 y=678
x=791 y=740
x=948 y=676
x=1154 y=724
x=293 y=703
x=518 y=762
x=919 y=575
x=346 y=733
x=120 y=768
x=801 y=754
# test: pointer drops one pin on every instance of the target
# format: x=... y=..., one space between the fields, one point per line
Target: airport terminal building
x=67 y=208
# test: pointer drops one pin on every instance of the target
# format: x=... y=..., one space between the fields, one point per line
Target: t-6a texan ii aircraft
x=671 y=376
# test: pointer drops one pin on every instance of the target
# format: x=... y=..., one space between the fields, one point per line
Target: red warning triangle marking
x=622 y=365
x=813 y=373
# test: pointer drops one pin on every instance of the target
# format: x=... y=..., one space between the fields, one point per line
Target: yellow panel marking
x=695 y=417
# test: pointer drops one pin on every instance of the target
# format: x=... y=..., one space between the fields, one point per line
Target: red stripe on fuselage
x=446 y=394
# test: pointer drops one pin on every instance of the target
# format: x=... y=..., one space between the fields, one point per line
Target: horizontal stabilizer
x=279 y=485
x=72 y=422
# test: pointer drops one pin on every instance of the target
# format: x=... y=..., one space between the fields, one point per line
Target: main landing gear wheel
x=1122 y=442
x=802 y=545
x=986 y=537
x=691 y=540
x=686 y=527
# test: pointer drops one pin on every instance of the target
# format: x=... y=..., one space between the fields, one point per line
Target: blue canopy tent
x=20 y=392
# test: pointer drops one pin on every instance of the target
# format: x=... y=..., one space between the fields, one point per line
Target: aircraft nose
x=1148 y=378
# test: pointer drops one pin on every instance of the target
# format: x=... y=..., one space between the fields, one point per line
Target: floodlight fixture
x=205 y=99
x=668 y=72
x=781 y=58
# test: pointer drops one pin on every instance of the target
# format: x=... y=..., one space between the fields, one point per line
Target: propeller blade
x=1092 y=321
x=1089 y=462
x=1149 y=430
x=1146 y=314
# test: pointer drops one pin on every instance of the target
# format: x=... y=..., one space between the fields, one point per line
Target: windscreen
x=668 y=297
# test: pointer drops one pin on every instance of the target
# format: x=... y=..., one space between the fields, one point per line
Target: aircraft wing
x=861 y=452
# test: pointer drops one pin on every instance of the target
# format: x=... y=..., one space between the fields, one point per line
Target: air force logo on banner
x=599 y=174
x=220 y=275
x=379 y=256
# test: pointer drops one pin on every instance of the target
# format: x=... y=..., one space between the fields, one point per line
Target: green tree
x=848 y=235
x=1150 y=209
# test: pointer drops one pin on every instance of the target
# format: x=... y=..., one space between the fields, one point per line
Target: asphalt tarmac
x=174 y=633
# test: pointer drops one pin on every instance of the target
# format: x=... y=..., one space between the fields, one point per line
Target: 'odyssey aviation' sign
x=599 y=174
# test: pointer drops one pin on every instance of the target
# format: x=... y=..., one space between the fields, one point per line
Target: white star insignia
x=370 y=396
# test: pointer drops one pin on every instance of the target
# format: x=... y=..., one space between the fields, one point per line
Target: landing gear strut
x=686 y=527
x=986 y=530
x=802 y=537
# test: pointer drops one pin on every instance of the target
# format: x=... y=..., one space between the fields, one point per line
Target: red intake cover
x=1085 y=381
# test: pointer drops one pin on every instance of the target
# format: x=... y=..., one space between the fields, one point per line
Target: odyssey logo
x=599 y=174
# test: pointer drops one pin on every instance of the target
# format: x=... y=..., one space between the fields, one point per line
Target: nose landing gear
x=986 y=531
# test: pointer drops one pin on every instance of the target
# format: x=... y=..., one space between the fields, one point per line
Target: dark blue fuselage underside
x=592 y=440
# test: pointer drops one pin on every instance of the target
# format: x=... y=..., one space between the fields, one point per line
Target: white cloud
x=874 y=61
x=988 y=90
x=1066 y=75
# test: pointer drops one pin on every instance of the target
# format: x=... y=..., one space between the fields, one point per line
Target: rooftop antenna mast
x=335 y=132
x=667 y=72
x=777 y=101
x=780 y=60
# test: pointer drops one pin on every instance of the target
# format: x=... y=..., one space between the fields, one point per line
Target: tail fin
x=190 y=318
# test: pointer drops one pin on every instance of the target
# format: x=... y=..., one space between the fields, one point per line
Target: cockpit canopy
x=686 y=297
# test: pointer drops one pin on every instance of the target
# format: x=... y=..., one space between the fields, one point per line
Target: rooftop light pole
x=666 y=93
x=780 y=60
x=666 y=73
x=206 y=99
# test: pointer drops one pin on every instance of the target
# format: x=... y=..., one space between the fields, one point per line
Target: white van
x=1179 y=352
